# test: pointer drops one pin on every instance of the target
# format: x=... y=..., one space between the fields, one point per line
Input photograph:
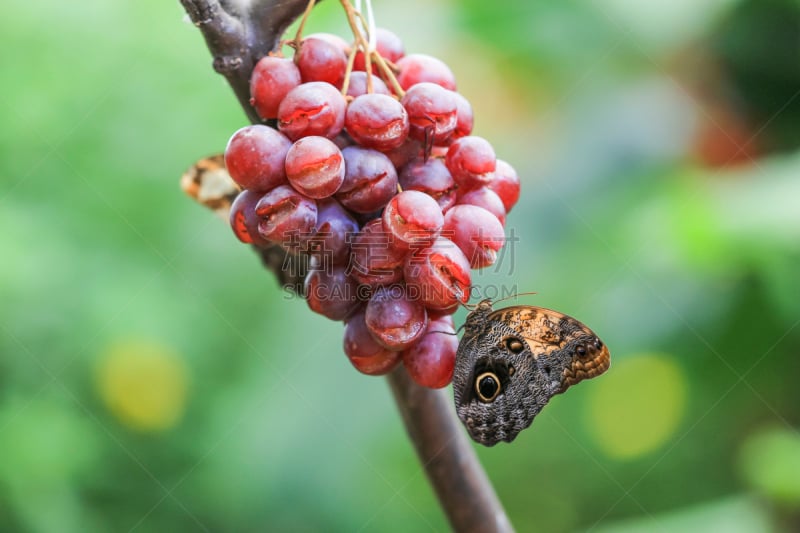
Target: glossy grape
x=413 y=218
x=243 y=218
x=432 y=112
x=476 y=231
x=471 y=161
x=272 y=79
x=430 y=362
x=431 y=177
x=388 y=45
x=404 y=153
x=331 y=292
x=438 y=275
x=332 y=38
x=330 y=244
x=315 y=167
x=286 y=216
x=321 y=60
x=486 y=198
x=364 y=352
x=464 y=117
x=395 y=321
x=375 y=260
x=506 y=184
x=377 y=121
x=418 y=68
x=255 y=155
x=358 y=85
x=313 y=108
x=370 y=180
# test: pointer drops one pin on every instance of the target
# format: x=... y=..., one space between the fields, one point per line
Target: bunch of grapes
x=373 y=175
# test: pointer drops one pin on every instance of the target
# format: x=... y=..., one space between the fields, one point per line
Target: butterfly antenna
x=515 y=295
x=459 y=294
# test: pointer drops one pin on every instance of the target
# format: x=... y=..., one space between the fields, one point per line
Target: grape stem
x=367 y=46
x=237 y=35
x=299 y=35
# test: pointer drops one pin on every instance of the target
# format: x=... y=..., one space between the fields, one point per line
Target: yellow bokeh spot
x=637 y=405
x=143 y=384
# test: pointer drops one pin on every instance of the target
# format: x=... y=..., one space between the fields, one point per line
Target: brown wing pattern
x=547 y=331
x=209 y=183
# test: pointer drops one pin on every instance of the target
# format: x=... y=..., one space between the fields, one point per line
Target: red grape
x=418 y=68
x=413 y=217
x=285 y=215
x=477 y=233
x=244 y=220
x=439 y=275
x=321 y=60
x=471 y=161
x=364 y=352
x=377 y=121
x=432 y=112
x=358 y=85
x=394 y=320
x=431 y=177
x=370 y=180
x=254 y=157
x=272 y=79
x=486 y=198
x=393 y=265
x=313 y=108
x=332 y=38
x=388 y=45
x=375 y=260
x=404 y=153
x=331 y=292
x=430 y=362
x=335 y=228
x=465 y=118
x=315 y=167
x=506 y=184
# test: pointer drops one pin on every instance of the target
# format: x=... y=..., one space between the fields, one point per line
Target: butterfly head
x=477 y=319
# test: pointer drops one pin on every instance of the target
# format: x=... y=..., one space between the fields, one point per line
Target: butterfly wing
x=568 y=343
x=522 y=356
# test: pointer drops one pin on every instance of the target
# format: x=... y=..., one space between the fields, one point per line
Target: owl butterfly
x=511 y=361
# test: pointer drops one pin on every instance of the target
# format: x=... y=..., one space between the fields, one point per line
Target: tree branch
x=237 y=41
x=466 y=494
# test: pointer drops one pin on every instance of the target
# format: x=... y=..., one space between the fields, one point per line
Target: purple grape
x=432 y=178
x=476 y=232
x=370 y=180
x=330 y=244
x=394 y=320
x=331 y=292
x=286 y=216
x=364 y=352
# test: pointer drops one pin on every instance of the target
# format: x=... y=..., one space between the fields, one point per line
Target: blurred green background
x=153 y=378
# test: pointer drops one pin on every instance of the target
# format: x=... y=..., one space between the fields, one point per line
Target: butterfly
x=209 y=183
x=511 y=361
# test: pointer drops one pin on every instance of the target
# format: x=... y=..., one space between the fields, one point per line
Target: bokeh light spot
x=637 y=406
x=143 y=384
x=770 y=462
